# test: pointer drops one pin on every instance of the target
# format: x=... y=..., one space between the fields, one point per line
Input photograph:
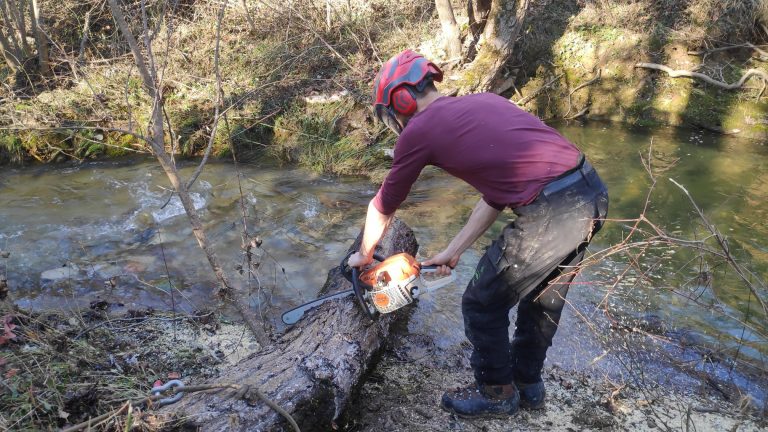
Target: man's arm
x=375 y=225
x=482 y=217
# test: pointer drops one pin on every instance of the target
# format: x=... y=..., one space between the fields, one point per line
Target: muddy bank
x=302 y=91
x=60 y=369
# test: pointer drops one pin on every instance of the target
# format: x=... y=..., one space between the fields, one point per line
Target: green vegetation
x=268 y=70
x=329 y=137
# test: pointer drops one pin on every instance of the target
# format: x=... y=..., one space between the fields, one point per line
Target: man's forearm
x=375 y=224
x=482 y=217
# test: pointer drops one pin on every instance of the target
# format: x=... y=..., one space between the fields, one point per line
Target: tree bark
x=311 y=371
x=40 y=39
x=11 y=32
x=17 y=10
x=451 y=36
x=496 y=45
x=477 y=12
x=10 y=56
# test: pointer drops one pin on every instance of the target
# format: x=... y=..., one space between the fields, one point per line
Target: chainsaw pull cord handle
x=429 y=286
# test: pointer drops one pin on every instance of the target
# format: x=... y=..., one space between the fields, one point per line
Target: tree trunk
x=9 y=54
x=40 y=40
x=148 y=73
x=311 y=371
x=451 y=37
x=10 y=33
x=495 y=48
x=17 y=10
x=477 y=11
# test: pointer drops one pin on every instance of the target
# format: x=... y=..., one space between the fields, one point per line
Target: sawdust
x=404 y=390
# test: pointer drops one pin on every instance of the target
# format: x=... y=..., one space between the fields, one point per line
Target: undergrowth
x=60 y=368
x=287 y=52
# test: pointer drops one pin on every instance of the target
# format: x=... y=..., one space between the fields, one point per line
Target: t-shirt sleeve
x=411 y=155
x=497 y=206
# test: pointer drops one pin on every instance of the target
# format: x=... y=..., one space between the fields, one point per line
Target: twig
x=723 y=243
x=581 y=86
x=536 y=92
x=219 y=99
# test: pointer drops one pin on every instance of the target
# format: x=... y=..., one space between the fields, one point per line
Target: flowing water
x=113 y=231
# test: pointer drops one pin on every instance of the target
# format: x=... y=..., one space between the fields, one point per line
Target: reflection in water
x=71 y=229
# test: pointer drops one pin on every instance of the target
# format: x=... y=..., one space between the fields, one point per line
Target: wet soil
x=403 y=392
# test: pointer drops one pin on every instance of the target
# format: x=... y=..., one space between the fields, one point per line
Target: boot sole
x=530 y=407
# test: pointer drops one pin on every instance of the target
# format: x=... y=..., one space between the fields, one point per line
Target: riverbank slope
x=297 y=84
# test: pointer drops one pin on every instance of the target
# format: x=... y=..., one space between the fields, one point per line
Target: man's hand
x=358 y=260
x=446 y=260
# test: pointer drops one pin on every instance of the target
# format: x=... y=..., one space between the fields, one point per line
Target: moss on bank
x=269 y=71
x=613 y=37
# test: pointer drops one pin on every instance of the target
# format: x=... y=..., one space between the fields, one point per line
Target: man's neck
x=423 y=102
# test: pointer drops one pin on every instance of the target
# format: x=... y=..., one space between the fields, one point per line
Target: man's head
x=398 y=85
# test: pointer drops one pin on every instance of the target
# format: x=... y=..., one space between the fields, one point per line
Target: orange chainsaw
x=384 y=288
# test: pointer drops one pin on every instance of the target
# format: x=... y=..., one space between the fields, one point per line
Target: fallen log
x=310 y=371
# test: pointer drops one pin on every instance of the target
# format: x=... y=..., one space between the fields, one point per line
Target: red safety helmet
x=396 y=82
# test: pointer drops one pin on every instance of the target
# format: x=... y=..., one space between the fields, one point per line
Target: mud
x=403 y=392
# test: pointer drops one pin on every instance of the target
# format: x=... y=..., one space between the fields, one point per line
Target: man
x=514 y=160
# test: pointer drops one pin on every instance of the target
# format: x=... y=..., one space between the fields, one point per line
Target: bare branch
x=138 y=57
x=688 y=74
x=219 y=99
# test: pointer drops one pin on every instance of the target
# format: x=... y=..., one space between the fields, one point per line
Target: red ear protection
x=403 y=101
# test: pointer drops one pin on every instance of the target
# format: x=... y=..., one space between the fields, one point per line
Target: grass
x=268 y=70
x=320 y=137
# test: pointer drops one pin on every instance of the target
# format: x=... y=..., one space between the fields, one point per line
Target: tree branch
x=706 y=78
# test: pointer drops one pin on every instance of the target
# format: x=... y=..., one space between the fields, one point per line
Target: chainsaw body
x=395 y=282
x=386 y=287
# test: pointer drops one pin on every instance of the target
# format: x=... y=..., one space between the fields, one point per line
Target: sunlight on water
x=106 y=220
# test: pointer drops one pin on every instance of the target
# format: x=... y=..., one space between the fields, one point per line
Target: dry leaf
x=7 y=331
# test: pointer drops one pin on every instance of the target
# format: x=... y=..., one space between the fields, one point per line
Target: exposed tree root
x=536 y=92
x=579 y=87
x=763 y=55
x=581 y=113
x=688 y=74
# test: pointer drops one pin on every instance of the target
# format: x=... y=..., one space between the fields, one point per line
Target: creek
x=107 y=231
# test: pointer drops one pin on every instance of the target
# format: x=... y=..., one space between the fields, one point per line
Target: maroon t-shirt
x=505 y=153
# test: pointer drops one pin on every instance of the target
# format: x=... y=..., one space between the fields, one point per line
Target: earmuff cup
x=404 y=101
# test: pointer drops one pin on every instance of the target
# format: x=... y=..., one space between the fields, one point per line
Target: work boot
x=532 y=395
x=481 y=400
